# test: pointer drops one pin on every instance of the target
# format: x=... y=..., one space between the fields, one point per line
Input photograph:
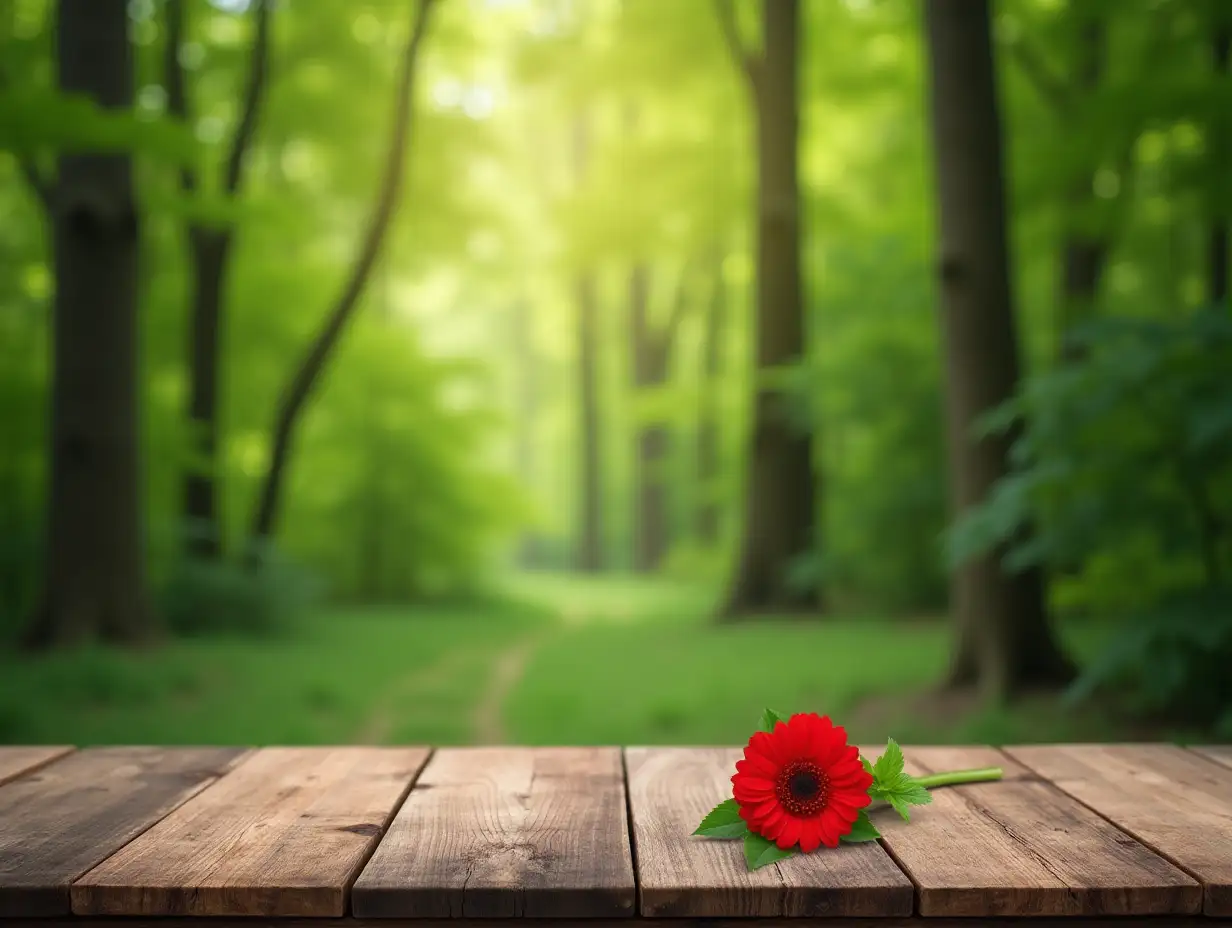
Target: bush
x=20 y=571
x=1120 y=481
x=1172 y=659
x=203 y=597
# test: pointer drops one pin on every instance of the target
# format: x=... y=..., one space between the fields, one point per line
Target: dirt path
x=497 y=675
x=487 y=720
x=406 y=691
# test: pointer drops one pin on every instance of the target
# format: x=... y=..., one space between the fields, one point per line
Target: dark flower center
x=802 y=788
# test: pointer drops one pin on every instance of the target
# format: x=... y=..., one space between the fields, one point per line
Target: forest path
x=408 y=694
x=494 y=676
x=487 y=677
x=487 y=719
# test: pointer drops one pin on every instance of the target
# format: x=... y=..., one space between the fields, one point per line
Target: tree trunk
x=94 y=579
x=1221 y=156
x=650 y=350
x=779 y=514
x=708 y=432
x=210 y=257
x=590 y=542
x=526 y=404
x=1084 y=254
x=1001 y=616
x=309 y=371
x=590 y=479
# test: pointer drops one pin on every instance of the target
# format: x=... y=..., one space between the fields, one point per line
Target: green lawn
x=394 y=674
x=613 y=661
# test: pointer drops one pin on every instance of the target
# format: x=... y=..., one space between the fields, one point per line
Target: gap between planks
x=1175 y=801
x=782 y=894
x=61 y=819
x=283 y=834
x=18 y=761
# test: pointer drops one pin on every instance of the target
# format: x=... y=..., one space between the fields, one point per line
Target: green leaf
x=868 y=767
x=892 y=783
x=889 y=765
x=769 y=718
x=758 y=851
x=913 y=795
x=723 y=821
x=862 y=830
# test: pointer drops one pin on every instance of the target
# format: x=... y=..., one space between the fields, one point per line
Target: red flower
x=802 y=783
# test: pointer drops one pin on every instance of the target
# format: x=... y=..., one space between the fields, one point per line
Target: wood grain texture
x=284 y=833
x=61 y=820
x=1168 y=798
x=672 y=789
x=18 y=761
x=1022 y=848
x=1219 y=753
x=506 y=832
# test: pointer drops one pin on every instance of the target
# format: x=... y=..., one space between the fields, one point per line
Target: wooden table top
x=1115 y=833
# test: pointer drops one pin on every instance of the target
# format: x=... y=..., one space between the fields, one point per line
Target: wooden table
x=1122 y=834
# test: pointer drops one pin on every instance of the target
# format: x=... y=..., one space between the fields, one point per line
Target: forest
x=448 y=369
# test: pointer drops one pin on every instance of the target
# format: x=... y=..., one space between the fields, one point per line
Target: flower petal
x=832 y=829
x=789 y=835
x=810 y=835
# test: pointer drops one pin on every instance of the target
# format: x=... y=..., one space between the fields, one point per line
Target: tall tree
x=526 y=405
x=1220 y=158
x=590 y=508
x=1000 y=617
x=652 y=354
x=709 y=413
x=210 y=249
x=780 y=497
x=94 y=578
x=308 y=373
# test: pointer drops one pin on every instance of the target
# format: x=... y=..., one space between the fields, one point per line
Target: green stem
x=956 y=777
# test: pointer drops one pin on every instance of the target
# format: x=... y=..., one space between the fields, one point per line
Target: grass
x=612 y=661
x=322 y=685
x=669 y=675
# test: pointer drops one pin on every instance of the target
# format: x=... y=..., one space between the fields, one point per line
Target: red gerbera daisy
x=801 y=783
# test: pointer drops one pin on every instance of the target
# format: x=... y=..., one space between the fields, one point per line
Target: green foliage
x=226 y=598
x=723 y=821
x=770 y=718
x=34 y=121
x=880 y=432
x=20 y=564
x=760 y=852
x=892 y=783
x=863 y=830
x=1172 y=659
x=1130 y=451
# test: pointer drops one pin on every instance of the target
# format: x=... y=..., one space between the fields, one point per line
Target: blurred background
x=594 y=372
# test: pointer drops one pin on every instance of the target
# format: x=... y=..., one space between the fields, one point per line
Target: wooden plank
x=672 y=789
x=1021 y=847
x=1171 y=800
x=1219 y=753
x=501 y=832
x=284 y=833
x=61 y=820
x=18 y=761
